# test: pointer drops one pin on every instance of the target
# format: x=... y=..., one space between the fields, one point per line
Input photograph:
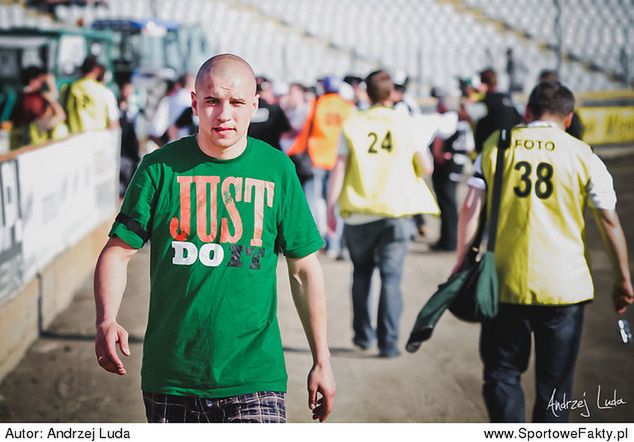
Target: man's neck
x=384 y=103
x=221 y=153
x=552 y=119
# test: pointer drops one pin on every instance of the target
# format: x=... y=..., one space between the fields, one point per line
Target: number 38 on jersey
x=540 y=180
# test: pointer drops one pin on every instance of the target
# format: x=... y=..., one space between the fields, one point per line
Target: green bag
x=471 y=294
x=477 y=298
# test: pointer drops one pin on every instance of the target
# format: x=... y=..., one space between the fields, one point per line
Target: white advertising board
x=51 y=198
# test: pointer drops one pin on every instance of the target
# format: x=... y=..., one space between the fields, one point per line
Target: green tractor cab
x=156 y=47
x=150 y=52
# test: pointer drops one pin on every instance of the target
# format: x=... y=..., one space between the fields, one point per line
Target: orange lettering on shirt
x=230 y=204
x=206 y=235
x=185 y=212
x=258 y=205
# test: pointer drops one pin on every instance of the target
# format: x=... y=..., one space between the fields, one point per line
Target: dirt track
x=59 y=380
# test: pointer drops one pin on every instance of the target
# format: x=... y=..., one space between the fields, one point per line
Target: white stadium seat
x=434 y=42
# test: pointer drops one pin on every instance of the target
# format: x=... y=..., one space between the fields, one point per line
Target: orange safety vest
x=322 y=129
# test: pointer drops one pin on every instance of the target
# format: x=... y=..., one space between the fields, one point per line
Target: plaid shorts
x=259 y=407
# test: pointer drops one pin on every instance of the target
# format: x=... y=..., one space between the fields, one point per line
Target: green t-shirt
x=215 y=229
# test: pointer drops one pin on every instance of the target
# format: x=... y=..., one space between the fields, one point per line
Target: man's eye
x=238 y=103
x=213 y=101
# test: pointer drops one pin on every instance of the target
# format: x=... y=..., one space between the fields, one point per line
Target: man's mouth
x=223 y=130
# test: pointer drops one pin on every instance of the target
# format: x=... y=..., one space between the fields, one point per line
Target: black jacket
x=501 y=114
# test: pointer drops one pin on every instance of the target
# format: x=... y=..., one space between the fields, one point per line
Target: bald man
x=217 y=208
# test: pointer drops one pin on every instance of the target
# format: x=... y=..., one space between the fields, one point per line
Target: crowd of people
x=218 y=198
x=42 y=113
x=303 y=121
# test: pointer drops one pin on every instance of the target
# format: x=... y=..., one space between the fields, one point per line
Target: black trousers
x=445 y=190
x=505 y=348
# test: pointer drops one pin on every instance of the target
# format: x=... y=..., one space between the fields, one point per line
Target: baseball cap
x=330 y=84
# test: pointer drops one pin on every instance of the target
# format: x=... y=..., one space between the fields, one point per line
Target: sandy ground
x=60 y=381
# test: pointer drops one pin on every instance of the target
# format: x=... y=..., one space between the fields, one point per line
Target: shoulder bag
x=471 y=294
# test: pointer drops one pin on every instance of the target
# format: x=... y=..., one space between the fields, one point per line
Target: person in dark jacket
x=501 y=113
x=269 y=122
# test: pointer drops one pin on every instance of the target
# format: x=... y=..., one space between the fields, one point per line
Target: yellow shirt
x=32 y=135
x=87 y=106
x=380 y=177
x=540 y=250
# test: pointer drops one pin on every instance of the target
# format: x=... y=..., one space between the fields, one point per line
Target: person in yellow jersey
x=89 y=104
x=549 y=177
x=376 y=182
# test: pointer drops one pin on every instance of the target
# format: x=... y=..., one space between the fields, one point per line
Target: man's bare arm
x=335 y=184
x=614 y=240
x=307 y=286
x=111 y=276
x=53 y=116
x=468 y=223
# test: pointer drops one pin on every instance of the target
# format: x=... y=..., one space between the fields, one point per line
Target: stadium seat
x=433 y=41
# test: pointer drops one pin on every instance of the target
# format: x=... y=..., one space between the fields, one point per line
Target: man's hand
x=331 y=218
x=440 y=157
x=321 y=380
x=616 y=245
x=623 y=296
x=457 y=266
x=108 y=335
x=110 y=281
x=307 y=286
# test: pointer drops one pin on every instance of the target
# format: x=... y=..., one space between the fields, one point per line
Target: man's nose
x=224 y=111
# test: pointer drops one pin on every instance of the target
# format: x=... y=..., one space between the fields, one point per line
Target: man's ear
x=528 y=115
x=256 y=100
x=568 y=120
x=194 y=103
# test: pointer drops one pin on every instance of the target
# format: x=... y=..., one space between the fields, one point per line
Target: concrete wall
x=55 y=213
x=45 y=296
x=18 y=326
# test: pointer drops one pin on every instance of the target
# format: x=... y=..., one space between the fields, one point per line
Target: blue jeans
x=505 y=347
x=381 y=244
x=316 y=190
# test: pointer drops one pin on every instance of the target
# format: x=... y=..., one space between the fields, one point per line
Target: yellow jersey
x=87 y=106
x=540 y=248
x=381 y=178
x=32 y=135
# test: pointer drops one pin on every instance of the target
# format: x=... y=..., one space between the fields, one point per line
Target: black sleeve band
x=133 y=225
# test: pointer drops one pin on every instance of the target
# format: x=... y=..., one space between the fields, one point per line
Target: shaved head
x=224 y=100
x=226 y=66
